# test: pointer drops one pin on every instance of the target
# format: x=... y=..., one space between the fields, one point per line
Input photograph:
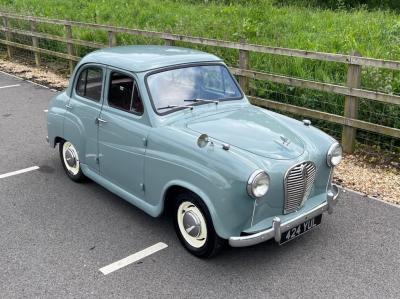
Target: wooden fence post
x=112 y=39
x=169 y=42
x=70 y=46
x=351 y=106
x=35 y=43
x=244 y=63
x=8 y=38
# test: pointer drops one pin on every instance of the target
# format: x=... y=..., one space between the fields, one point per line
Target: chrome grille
x=298 y=184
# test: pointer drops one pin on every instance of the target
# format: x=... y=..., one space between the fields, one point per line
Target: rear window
x=90 y=83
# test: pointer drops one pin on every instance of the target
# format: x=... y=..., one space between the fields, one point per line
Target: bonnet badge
x=285 y=141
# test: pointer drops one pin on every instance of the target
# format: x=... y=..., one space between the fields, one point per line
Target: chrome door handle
x=68 y=106
x=99 y=120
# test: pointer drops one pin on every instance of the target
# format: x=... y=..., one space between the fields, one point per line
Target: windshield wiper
x=175 y=106
x=216 y=101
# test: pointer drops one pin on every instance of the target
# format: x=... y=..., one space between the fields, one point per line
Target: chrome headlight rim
x=330 y=155
x=257 y=174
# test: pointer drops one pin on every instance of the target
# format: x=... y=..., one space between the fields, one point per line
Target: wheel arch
x=175 y=187
x=57 y=140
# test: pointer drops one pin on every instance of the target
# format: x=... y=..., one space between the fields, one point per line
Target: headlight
x=258 y=184
x=334 y=156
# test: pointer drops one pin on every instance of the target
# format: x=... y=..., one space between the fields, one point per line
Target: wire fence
x=378 y=113
x=375 y=79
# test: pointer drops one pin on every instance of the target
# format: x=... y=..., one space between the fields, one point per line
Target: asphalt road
x=55 y=235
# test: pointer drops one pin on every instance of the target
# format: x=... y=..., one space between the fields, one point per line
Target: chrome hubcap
x=191 y=223
x=70 y=158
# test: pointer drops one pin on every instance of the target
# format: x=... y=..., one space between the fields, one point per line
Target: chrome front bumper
x=278 y=227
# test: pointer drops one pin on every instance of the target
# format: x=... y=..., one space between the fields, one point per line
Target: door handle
x=99 y=120
x=68 y=106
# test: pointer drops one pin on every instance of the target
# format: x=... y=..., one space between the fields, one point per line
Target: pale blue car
x=169 y=129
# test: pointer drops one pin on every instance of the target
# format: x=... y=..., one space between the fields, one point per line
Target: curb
x=364 y=195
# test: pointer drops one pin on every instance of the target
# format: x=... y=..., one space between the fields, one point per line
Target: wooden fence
x=351 y=90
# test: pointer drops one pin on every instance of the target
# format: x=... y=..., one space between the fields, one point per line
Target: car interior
x=90 y=83
x=124 y=93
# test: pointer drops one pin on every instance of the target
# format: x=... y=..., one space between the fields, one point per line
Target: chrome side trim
x=278 y=228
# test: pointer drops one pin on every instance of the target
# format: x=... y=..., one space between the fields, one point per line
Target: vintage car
x=169 y=129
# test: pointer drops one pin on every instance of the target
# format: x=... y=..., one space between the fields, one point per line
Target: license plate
x=296 y=231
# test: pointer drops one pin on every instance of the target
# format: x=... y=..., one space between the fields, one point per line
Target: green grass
x=372 y=33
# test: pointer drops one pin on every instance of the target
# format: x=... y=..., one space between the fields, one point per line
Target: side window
x=124 y=93
x=90 y=83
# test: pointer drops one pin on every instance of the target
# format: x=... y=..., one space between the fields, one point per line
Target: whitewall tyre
x=70 y=161
x=194 y=227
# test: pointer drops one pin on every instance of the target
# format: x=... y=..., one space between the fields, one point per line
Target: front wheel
x=194 y=226
x=70 y=161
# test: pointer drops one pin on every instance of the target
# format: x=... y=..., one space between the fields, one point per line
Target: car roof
x=144 y=58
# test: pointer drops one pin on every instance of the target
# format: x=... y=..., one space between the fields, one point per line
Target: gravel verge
x=379 y=180
x=39 y=75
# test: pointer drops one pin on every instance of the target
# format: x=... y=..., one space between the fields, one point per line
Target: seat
x=120 y=97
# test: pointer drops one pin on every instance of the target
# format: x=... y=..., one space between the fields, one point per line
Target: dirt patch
x=375 y=175
x=39 y=75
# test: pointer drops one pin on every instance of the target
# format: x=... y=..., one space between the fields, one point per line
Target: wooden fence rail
x=351 y=90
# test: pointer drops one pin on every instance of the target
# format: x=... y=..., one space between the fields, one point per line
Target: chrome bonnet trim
x=278 y=228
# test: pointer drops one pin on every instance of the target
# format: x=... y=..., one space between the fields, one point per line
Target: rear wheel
x=194 y=226
x=70 y=161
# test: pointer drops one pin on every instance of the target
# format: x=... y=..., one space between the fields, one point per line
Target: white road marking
x=8 y=86
x=2 y=176
x=133 y=258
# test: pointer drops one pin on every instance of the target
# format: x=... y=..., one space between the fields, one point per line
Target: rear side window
x=124 y=93
x=90 y=83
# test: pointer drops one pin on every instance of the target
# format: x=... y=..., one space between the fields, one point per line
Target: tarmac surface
x=55 y=235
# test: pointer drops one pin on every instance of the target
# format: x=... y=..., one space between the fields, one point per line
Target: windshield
x=179 y=88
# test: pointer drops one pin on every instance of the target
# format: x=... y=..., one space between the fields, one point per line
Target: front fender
x=217 y=176
x=193 y=188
